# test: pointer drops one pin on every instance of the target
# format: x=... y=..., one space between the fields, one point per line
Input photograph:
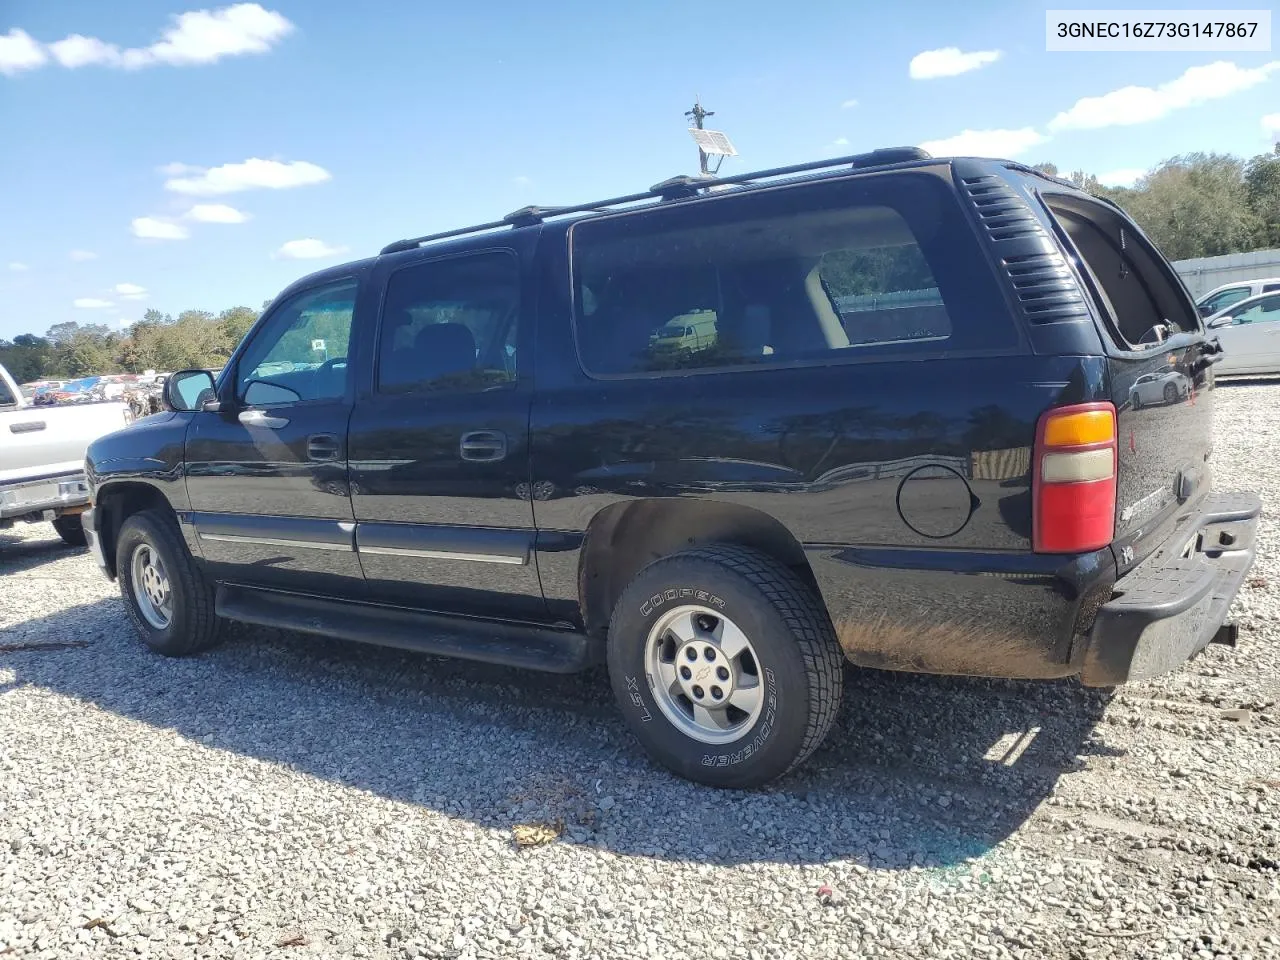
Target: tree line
x=1196 y=205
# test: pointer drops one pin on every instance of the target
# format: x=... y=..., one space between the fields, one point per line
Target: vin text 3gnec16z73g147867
x=721 y=435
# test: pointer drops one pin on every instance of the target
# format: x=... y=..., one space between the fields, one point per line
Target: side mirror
x=1221 y=322
x=189 y=390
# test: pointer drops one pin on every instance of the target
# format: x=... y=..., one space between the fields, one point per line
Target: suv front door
x=267 y=473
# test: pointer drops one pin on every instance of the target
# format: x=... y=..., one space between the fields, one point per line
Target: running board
x=489 y=641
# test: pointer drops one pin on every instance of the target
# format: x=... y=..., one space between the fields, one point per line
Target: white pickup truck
x=42 y=458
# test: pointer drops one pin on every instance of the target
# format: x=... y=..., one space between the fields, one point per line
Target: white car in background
x=1154 y=389
x=1249 y=332
x=1219 y=299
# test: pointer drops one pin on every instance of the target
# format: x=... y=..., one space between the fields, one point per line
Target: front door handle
x=483 y=446
x=260 y=418
x=323 y=446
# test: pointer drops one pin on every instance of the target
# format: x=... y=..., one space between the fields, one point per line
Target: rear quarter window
x=874 y=267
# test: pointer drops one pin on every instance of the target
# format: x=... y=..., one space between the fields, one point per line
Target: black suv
x=722 y=435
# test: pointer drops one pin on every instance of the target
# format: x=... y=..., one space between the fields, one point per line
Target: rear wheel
x=71 y=529
x=725 y=665
x=168 y=599
x=1170 y=393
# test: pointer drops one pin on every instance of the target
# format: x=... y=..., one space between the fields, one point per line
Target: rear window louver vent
x=1046 y=288
x=1044 y=284
x=1000 y=210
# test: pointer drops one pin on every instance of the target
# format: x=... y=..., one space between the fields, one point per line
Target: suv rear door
x=1151 y=327
x=439 y=437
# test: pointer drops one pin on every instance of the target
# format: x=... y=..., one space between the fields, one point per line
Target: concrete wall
x=1202 y=274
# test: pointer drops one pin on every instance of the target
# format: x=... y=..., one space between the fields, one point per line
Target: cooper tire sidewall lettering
x=780 y=664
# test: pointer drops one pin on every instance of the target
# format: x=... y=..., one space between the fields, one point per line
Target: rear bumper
x=58 y=493
x=1168 y=608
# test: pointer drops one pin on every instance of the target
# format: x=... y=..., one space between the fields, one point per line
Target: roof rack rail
x=676 y=188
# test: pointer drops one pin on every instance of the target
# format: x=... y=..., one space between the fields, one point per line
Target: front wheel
x=168 y=598
x=725 y=665
x=1171 y=393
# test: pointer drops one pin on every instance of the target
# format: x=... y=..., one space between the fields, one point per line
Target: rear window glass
x=861 y=268
x=1137 y=289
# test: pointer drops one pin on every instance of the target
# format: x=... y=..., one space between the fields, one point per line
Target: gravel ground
x=285 y=797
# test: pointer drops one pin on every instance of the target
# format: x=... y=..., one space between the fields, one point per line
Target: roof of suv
x=682 y=188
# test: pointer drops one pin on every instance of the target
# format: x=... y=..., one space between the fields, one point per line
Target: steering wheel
x=329 y=364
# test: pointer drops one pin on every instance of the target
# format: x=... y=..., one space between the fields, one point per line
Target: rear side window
x=7 y=399
x=876 y=266
x=1270 y=287
x=1136 y=287
x=450 y=325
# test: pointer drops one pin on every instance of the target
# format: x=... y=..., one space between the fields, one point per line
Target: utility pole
x=697 y=115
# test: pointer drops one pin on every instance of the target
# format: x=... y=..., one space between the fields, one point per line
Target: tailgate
x=40 y=441
x=1159 y=370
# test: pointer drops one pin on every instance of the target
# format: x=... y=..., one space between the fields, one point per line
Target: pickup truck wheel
x=167 y=597
x=71 y=529
x=725 y=665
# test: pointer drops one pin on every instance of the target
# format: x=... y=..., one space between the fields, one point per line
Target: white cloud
x=840 y=142
x=82 y=255
x=153 y=228
x=949 y=62
x=90 y=303
x=18 y=52
x=307 y=249
x=125 y=322
x=848 y=104
x=1124 y=177
x=131 y=291
x=1130 y=105
x=17 y=267
x=81 y=51
x=986 y=143
x=216 y=213
x=521 y=181
x=177 y=169
x=252 y=174
x=204 y=36
x=1271 y=124
x=196 y=37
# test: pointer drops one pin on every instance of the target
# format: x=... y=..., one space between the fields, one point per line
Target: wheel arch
x=116 y=502
x=623 y=538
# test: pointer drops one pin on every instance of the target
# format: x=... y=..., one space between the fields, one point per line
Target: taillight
x=1073 y=482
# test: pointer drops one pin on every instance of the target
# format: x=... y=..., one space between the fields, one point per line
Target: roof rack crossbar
x=675 y=188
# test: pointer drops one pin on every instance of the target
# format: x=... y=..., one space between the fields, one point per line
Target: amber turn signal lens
x=1080 y=429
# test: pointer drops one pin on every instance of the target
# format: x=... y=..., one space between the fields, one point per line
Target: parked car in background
x=42 y=451
x=1220 y=298
x=1249 y=332
x=500 y=458
x=1167 y=386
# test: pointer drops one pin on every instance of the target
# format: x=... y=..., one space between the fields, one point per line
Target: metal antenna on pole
x=711 y=143
x=697 y=115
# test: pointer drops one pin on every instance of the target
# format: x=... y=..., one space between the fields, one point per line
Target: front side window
x=849 y=269
x=301 y=352
x=1264 y=311
x=7 y=399
x=450 y=325
x=1220 y=301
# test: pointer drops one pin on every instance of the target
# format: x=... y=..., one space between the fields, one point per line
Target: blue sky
x=127 y=149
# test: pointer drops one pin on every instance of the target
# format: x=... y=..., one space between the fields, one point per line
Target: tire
x=191 y=625
x=1170 y=393
x=1137 y=402
x=71 y=529
x=798 y=676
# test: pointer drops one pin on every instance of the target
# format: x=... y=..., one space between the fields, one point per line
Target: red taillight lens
x=1074 y=479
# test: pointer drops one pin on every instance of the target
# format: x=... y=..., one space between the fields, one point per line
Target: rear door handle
x=323 y=446
x=27 y=426
x=260 y=418
x=483 y=446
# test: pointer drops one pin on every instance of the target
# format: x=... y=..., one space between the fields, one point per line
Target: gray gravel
x=285 y=797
